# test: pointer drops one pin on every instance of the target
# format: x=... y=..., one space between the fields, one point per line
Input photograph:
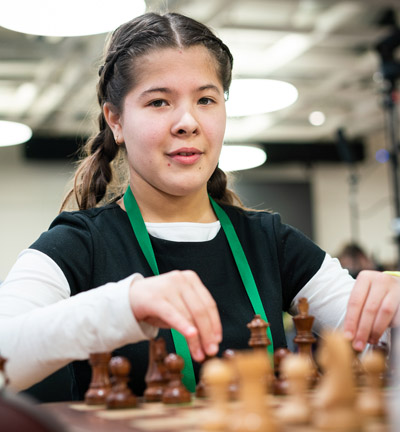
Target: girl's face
x=173 y=121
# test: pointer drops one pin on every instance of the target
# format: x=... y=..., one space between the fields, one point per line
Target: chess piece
x=280 y=384
x=335 y=397
x=3 y=376
x=120 y=395
x=254 y=413
x=201 y=390
x=258 y=333
x=100 y=383
x=296 y=407
x=304 y=338
x=216 y=375
x=156 y=376
x=371 y=401
x=175 y=392
x=233 y=387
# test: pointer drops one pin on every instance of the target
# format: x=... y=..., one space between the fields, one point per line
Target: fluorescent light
x=316 y=118
x=240 y=157
x=12 y=133
x=68 y=18
x=258 y=96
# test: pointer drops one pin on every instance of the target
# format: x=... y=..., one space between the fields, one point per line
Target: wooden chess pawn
x=258 y=333
x=254 y=413
x=100 y=383
x=296 y=407
x=371 y=401
x=156 y=376
x=280 y=384
x=175 y=392
x=304 y=338
x=217 y=374
x=334 y=402
x=120 y=395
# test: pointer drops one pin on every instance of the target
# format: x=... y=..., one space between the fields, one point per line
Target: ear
x=113 y=119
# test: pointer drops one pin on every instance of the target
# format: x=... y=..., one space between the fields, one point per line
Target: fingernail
x=358 y=345
x=348 y=335
x=212 y=349
x=199 y=356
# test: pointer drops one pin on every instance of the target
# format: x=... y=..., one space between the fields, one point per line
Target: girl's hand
x=373 y=307
x=179 y=300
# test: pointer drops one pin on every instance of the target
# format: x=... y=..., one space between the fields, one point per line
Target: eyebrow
x=168 y=91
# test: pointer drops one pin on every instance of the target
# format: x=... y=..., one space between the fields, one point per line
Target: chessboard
x=158 y=417
x=243 y=391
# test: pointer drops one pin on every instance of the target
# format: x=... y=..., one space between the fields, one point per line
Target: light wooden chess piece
x=120 y=395
x=216 y=375
x=296 y=407
x=371 y=402
x=175 y=392
x=156 y=376
x=100 y=384
x=254 y=413
x=334 y=407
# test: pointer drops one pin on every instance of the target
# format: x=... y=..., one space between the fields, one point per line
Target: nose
x=186 y=124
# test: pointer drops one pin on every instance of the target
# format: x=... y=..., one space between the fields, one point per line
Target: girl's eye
x=206 y=101
x=158 y=103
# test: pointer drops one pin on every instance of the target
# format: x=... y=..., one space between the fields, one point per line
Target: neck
x=161 y=207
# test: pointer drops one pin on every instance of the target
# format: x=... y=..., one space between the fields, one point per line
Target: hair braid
x=100 y=166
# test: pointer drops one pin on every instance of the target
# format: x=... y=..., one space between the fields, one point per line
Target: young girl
x=175 y=250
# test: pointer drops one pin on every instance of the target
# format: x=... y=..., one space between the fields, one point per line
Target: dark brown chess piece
x=3 y=376
x=233 y=388
x=304 y=337
x=100 y=383
x=280 y=383
x=258 y=333
x=120 y=395
x=175 y=392
x=201 y=390
x=156 y=376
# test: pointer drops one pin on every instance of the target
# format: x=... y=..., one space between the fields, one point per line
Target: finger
x=355 y=305
x=173 y=318
x=204 y=313
x=368 y=316
x=386 y=315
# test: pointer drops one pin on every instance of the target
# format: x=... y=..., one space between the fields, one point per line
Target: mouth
x=185 y=156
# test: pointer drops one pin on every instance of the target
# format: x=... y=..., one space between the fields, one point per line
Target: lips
x=185 y=156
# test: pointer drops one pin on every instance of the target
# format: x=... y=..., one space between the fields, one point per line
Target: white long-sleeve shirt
x=43 y=328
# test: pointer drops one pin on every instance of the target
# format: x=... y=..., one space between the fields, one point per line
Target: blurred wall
x=31 y=193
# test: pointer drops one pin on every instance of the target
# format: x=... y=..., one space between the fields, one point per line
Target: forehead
x=195 y=63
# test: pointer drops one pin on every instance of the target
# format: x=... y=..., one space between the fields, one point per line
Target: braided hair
x=101 y=177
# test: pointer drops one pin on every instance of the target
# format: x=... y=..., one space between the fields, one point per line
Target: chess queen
x=152 y=240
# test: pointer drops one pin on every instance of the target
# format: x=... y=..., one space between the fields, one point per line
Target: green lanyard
x=140 y=230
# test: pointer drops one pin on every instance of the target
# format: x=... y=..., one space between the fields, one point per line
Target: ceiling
x=326 y=48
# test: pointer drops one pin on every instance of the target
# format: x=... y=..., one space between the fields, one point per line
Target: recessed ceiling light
x=258 y=96
x=12 y=133
x=241 y=157
x=68 y=18
x=317 y=118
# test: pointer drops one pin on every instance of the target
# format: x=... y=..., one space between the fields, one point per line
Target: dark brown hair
x=99 y=177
